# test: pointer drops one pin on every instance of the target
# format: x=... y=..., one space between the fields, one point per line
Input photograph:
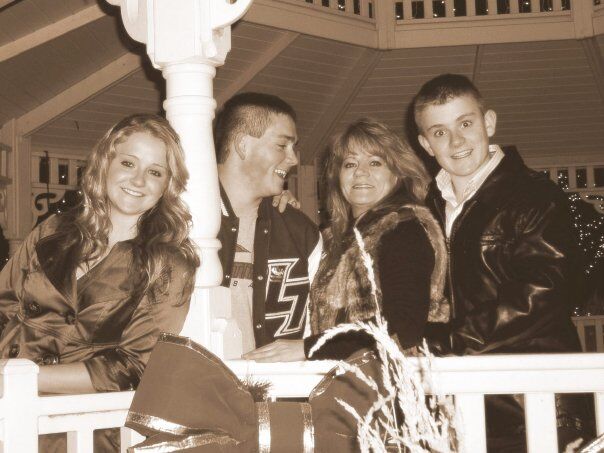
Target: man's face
x=269 y=158
x=457 y=135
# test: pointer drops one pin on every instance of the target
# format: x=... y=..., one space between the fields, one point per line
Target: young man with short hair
x=512 y=248
x=267 y=256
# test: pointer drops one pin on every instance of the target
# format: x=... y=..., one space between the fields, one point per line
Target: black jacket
x=283 y=244
x=512 y=258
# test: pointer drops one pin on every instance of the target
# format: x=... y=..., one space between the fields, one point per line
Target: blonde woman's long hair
x=162 y=230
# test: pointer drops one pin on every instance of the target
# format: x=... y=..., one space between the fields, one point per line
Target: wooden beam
x=78 y=93
x=5 y=3
x=596 y=62
x=477 y=63
x=341 y=101
x=259 y=64
x=50 y=32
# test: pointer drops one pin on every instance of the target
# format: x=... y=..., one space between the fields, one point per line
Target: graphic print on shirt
x=287 y=295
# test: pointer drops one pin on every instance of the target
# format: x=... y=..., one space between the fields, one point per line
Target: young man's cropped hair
x=246 y=114
x=443 y=89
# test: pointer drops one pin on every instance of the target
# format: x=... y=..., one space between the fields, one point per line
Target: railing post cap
x=18 y=366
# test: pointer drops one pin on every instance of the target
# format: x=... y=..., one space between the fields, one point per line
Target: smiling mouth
x=134 y=193
x=362 y=186
x=462 y=154
x=281 y=173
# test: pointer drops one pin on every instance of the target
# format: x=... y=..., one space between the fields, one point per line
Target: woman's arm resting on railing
x=65 y=378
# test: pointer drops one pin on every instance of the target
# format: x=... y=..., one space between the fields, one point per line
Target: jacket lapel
x=58 y=262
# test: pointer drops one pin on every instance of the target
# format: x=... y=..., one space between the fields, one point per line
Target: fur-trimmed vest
x=342 y=293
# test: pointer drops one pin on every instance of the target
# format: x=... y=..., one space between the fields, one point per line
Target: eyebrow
x=459 y=118
x=134 y=157
x=288 y=137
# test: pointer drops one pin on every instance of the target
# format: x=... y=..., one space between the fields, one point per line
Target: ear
x=490 y=121
x=425 y=144
x=241 y=145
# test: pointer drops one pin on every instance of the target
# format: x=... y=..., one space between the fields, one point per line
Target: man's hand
x=278 y=351
x=285 y=198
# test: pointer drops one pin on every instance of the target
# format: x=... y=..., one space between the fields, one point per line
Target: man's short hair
x=443 y=89
x=246 y=114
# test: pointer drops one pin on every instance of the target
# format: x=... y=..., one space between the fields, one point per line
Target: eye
x=439 y=133
x=127 y=163
x=376 y=163
x=349 y=164
x=155 y=173
x=466 y=124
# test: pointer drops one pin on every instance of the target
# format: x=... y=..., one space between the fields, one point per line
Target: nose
x=138 y=178
x=457 y=138
x=291 y=158
x=362 y=169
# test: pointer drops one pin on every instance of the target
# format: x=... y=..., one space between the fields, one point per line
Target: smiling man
x=267 y=256
x=512 y=249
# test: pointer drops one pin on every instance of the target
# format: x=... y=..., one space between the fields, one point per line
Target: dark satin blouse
x=49 y=317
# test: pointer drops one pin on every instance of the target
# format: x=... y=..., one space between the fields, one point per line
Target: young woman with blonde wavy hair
x=88 y=292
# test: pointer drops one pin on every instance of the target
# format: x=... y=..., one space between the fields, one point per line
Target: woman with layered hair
x=376 y=185
x=88 y=292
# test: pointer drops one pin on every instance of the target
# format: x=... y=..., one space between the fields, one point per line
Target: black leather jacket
x=512 y=257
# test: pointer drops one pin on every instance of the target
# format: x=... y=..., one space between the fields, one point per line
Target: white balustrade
x=580 y=179
x=24 y=414
x=590 y=327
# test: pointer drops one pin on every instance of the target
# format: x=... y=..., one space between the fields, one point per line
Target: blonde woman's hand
x=285 y=198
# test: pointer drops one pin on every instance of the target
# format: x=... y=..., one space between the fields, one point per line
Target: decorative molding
x=50 y=32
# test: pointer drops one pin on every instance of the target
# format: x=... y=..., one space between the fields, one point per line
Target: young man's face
x=269 y=158
x=457 y=135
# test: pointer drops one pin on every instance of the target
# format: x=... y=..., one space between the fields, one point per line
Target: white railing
x=580 y=179
x=412 y=10
x=590 y=328
x=349 y=8
x=24 y=414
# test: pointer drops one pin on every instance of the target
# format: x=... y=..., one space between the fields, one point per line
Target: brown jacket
x=49 y=317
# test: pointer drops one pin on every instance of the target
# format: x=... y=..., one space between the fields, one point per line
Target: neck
x=123 y=228
x=238 y=189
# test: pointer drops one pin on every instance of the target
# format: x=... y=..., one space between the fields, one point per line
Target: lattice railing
x=585 y=180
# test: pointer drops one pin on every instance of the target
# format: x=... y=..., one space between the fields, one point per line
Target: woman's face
x=365 y=180
x=137 y=177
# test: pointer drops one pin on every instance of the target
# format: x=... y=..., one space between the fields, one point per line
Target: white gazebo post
x=187 y=40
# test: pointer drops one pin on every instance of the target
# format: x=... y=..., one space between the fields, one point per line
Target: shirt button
x=70 y=318
x=227 y=276
x=33 y=309
x=258 y=326
x=234 y=230
x=13 y=351
x=50 y=359
x=260 y=277
x=266 y=231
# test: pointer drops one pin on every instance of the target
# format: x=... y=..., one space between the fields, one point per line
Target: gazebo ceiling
x=546 y=93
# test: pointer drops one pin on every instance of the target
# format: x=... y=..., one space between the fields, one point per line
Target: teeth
x=132 y=192
x=281 y=173
x=462 y=154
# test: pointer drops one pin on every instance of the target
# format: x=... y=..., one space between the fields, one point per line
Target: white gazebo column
x=187 y=40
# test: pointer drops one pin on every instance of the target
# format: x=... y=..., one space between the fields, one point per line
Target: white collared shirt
x=454 y=207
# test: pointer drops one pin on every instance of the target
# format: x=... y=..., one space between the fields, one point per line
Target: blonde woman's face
x=365 y=180
x=138 y=175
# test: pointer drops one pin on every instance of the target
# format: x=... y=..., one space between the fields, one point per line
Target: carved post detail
x=187 y=40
